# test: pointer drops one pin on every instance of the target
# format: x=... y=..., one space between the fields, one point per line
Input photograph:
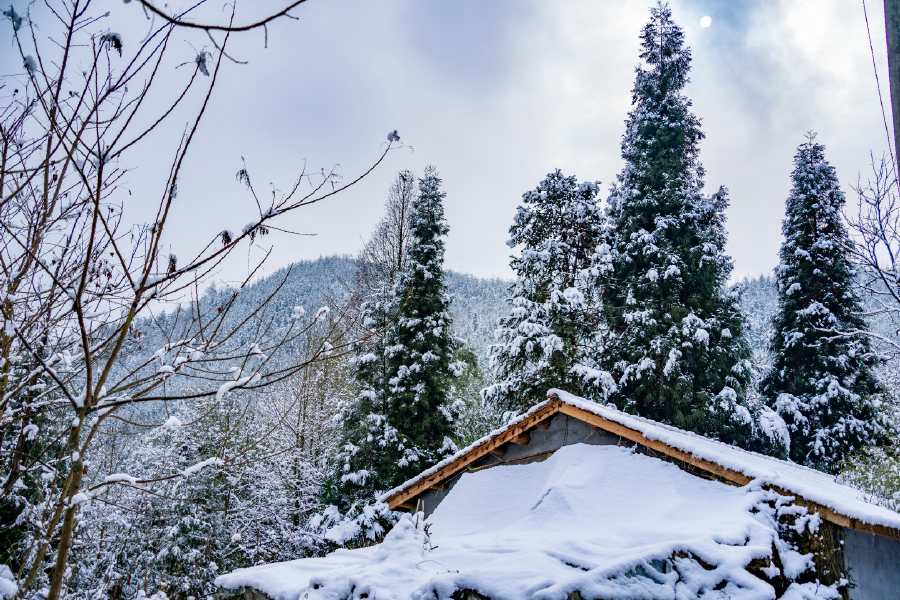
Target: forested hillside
x=476 y=303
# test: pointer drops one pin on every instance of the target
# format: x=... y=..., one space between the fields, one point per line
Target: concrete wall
x=874 y=564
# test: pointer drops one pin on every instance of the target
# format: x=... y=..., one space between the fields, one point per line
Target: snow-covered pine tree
x=350 y=493
x=558 y=226
x=677 y=349
x=365 y=462
x=400 y=421
x=420 y=346
x=821 y=381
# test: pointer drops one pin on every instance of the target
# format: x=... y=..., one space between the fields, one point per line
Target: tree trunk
x=68 y=527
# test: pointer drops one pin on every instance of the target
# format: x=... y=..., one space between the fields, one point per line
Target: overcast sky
x=496 y=95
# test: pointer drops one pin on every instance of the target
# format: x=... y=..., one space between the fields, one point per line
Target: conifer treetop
x=558 y=225
x=662 y=47
x=822 y=380
x=419 y=345
x=661 y=141
x=675 y=348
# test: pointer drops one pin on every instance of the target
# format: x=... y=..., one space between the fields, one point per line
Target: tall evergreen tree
x=558 y=226
x=369 y=444
x=821 y=381
x=420 y=346
x=363 y=466
x=400 y=421
x=676 y=348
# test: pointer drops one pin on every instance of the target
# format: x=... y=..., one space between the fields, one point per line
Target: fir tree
x=366 y=461
x=400 y=421
x=362 y=466
x=821 y=381
x=420 y=346
x=676 y=348
x=558 y=226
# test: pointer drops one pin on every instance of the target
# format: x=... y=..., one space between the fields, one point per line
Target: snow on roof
x=603 y=520
x=810 y=484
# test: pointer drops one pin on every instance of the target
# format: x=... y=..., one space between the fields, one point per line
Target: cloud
x=496 y=95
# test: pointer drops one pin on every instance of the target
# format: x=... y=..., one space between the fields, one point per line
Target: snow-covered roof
x=603 y=520
x=836 y=502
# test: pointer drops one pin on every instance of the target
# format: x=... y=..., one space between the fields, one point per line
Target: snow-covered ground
x=603 y=520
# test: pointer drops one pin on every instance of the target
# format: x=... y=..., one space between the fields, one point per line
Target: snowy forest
x=159 y=428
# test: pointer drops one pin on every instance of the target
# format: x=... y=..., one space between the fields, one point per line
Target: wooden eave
x=538 y=418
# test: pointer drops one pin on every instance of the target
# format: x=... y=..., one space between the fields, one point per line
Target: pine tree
x=420 y=346
x=821 y=380
x=351 y=491
x=365 y=464
x=558 y=226
x=400 y=421
x=676 y=348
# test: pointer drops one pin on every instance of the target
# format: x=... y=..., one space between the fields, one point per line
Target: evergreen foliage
x=350 y=492
x=368 y=444
x=541 y=340
x=676 y=348
x=400 y=421
x=822 y=381
x=420 y=347
x=475 y=416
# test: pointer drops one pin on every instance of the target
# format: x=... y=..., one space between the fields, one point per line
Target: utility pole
x=892 y=27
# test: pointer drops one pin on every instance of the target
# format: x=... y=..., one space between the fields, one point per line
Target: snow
x=8 y=586
x=119 y=477
x=807 y=483
x=603 y=520
x=172 y=422
x=813 y=485
x=30 y=431
x=209 y=462
x=230 y=385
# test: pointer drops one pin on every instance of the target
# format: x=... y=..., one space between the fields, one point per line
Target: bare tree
x=875 y=227
x=176 y=535
x=77 y=282
x=384 y=255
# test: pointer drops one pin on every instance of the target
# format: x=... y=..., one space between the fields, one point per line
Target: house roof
x=602 y=520
x=838 y=503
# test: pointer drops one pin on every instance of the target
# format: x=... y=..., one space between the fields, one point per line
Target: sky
x=496 y=95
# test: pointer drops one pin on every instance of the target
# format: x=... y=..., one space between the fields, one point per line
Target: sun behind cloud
x=706 y=21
